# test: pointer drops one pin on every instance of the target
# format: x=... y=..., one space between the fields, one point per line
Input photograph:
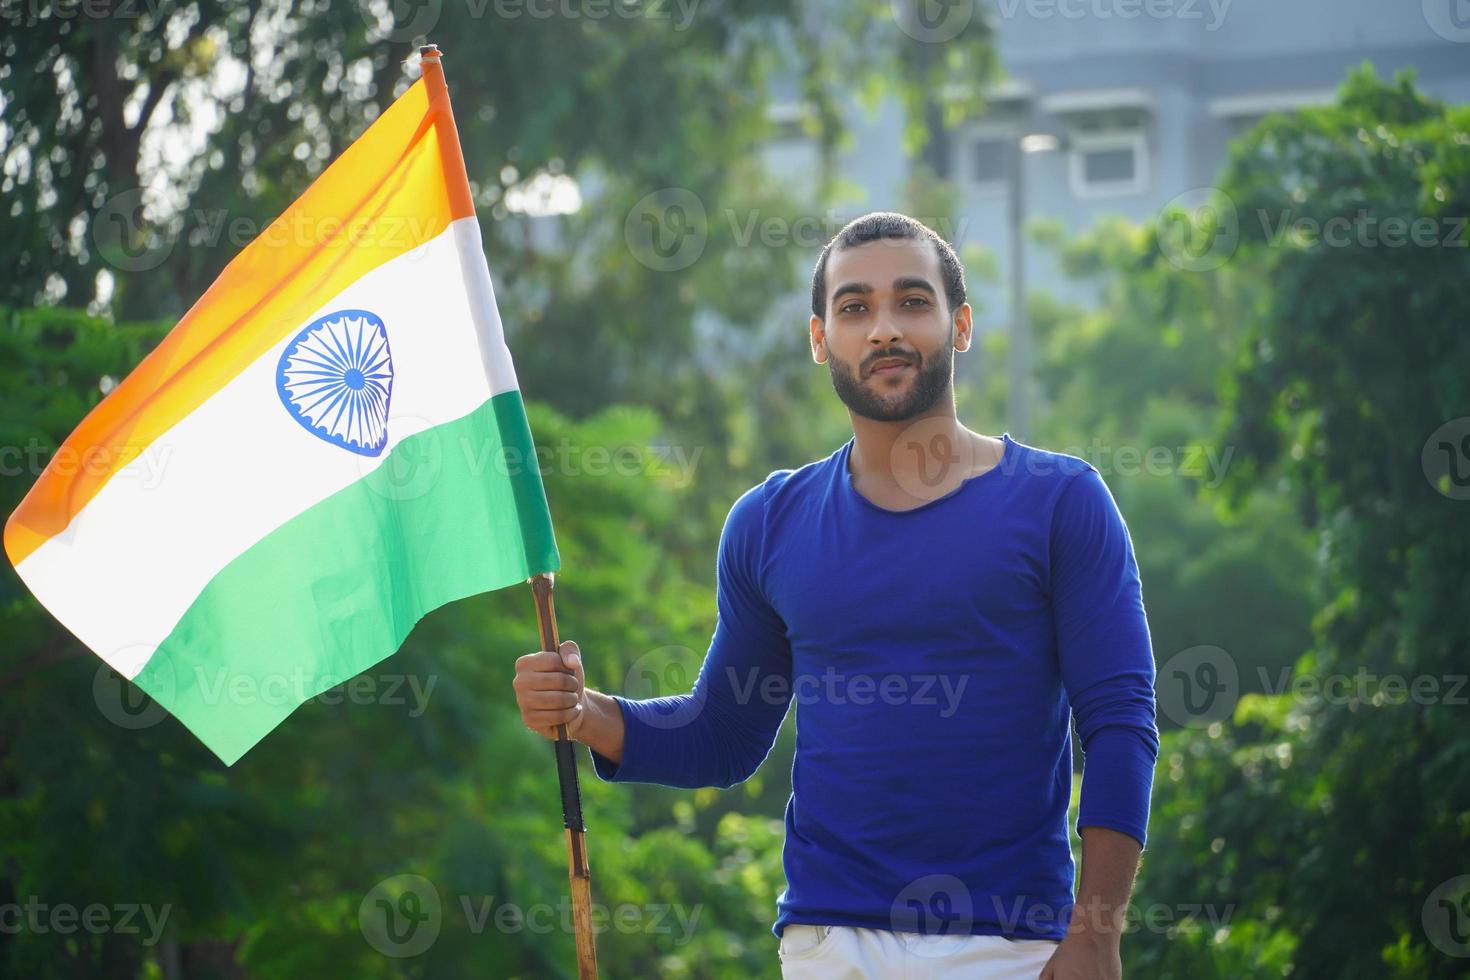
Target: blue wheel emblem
x=336 y=379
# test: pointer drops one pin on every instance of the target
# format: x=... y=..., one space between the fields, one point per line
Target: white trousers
x=851 y=953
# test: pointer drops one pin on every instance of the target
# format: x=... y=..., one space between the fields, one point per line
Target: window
x=1109 y=164
x=980 y=156
x=990 y=160
x=786 y=120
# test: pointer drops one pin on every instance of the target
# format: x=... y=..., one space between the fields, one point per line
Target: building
x=1143 y=96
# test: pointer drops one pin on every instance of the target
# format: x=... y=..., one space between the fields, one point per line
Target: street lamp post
x=1019 y=394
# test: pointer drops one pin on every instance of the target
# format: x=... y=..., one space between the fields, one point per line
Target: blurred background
x=1216 y=247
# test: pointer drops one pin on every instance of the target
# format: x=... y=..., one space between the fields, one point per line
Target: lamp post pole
x=1018 y=401
x=1018 y=406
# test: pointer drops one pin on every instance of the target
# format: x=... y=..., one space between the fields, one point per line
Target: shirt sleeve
x=1105 y=654
x=719 y=733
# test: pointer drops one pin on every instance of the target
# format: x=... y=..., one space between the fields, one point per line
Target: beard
x=932 y=378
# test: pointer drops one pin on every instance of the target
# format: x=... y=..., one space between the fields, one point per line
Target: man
x=935 y=601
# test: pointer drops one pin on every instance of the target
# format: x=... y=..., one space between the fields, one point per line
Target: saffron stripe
x=389 y=192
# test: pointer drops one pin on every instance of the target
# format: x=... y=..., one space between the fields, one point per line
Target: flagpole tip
x=429 y=52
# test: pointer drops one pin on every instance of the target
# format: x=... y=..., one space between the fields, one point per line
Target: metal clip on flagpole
x=430 y=61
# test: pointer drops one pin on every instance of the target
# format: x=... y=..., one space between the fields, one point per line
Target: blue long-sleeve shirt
x=933 y=655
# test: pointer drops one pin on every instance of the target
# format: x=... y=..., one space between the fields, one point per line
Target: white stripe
x=132 y=561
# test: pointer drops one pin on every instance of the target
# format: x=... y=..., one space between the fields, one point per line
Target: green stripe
x=337 y=588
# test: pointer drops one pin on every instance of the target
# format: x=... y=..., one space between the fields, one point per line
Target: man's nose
x=885 y=330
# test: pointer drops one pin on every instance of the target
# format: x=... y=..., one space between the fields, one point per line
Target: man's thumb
x=570 y=655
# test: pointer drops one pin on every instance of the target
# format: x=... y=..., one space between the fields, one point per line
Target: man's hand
x=550 y=690
x=1085 y=956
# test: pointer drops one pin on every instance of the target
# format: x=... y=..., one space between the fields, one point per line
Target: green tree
x=1134 y=387
x=1324 y=825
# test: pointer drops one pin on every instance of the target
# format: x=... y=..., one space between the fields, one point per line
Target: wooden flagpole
x=571 y=801
x=430 y=61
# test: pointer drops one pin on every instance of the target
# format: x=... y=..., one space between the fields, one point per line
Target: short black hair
x=889 y=224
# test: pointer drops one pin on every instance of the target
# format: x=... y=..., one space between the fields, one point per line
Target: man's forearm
x=1092 y=947
x=1109 y=864
x=602 y=729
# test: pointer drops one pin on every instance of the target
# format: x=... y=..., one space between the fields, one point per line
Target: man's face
x=885 y=300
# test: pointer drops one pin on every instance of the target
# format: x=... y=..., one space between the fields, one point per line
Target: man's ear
x=963 y=327
x=818 y=339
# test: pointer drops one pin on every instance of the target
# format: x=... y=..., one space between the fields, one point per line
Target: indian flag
x=330 y=444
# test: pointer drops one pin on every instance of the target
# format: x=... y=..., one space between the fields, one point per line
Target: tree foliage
x=1325 y=818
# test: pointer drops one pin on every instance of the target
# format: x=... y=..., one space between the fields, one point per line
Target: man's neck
x=903 y=464
x=886 y=452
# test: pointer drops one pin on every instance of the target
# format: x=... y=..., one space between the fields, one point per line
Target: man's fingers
x=538 y=662
x=549 y=700
x=541 y=660
x=567 y=659
x=571 y=655
x=545 y=722
x=550 y=680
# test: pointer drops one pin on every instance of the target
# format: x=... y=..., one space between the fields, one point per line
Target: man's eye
x=850 y=308
x=917 y=299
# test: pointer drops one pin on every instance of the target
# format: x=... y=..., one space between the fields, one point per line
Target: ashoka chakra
x=336 y=378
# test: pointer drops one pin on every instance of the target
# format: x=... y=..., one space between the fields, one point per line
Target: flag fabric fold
x=329 y=445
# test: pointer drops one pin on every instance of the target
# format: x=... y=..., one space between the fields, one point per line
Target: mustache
x=905 y=356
